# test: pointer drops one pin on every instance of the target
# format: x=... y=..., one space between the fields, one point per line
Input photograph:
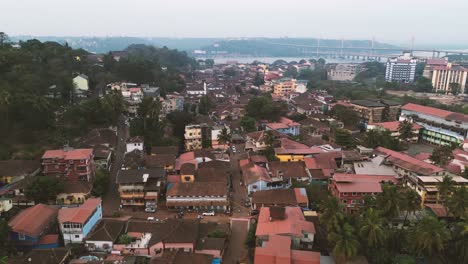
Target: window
x=21 y=236
x=345 y=194
x=77 y=236
x=354 y=194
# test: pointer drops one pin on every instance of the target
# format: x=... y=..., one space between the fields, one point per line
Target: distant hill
x=245 y=47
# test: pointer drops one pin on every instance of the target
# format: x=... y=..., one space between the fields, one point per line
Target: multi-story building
x=343 y=71
x=140 y=188
x=375 y=111
x=440 y=127
x=198 y=195
x=77 y=222
x=430 y=64
x=350 y=189
x=449 y=78
x=284 y=86
x=284 y=126
x=401 y=69
x=34 y=228
x=195 y=135
x=173 y=102
x=427 y=187
x=74 y=164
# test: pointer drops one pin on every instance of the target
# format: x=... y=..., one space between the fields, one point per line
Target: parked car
x=208 y=213
x=254 y=212
x=150 y=209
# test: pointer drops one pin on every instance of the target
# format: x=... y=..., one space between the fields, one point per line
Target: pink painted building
x=74 y=164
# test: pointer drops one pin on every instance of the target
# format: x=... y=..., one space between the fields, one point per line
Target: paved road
x=111 y=200
x=236 y=251
x=239 y=192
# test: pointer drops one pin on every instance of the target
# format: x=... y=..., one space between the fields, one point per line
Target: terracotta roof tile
x=33 y=220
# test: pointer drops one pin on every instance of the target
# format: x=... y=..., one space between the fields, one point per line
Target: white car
x=209 y=213
x=150 y=209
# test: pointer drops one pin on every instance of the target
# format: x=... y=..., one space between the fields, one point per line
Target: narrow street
x=236 y=250
x=111 y=200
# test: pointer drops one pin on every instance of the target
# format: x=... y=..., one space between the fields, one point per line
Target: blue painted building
x=285 y=126
x=31 y=228
x=76 y=223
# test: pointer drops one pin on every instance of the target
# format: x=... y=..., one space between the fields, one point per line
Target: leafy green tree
x=101 y=182
x=250 y=240
x=346 y=115
x=263 y=107
x=345 y=242
x=269 y=153
x=149 y=110
x=224 y=137
x=429 y=237
x=411 y=202
x=6 y=247
x=441 y=155
x=179 y=119
x=258 y=80
x=458 y=245
x=454 y=88
x=43 y=189
x=248 y=124
x=344 y=138
x=4 y=39
x=205 y=106
x=209 y=62
x=376 y=137
x=405 y=129
x=269 y=138
x=423 y=85
x=125 y=239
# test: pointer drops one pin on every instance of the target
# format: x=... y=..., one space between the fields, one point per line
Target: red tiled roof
x=305 y=257
x=436 y=61
x=435 y=112
x=79 y=214
x=74 y=154
x=276 y=250
x=301 y=196
x=287 y=143
x=258 y=158
x=393 y=125
x=33 y=220
x=48 y=239
x=305 y=151
x=407 y=162
x=252 y=173
x=361 y=182
x=293 y=224
x=283 y=123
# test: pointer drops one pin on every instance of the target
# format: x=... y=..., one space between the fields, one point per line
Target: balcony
x=132 y=194
x=72 y=230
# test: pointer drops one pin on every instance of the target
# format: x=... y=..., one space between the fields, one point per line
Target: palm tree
x=429 y=237
x=457 y=202
x=458 y=246
x=389 y=201
x=371 y=229
x=345 y=243
x=445 y=188
x=411 y=202
x=224 y=137
x=332 y=216
x=405 y=129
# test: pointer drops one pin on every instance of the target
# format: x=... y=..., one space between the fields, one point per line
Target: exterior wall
x=290 y=157
x=214 y=253
x=187 y=247
x=81 y=83
x=156 y=250
x=293 y=130
x=400 y=71
x=5 y=205
x=76 y=198
x=105 y=246
x=261 y=186
x=441 y=79
x=132 y=194
x=187 y=178
x=284 y=88
x=434 y=133
x=72 y=169
x=132 y=146
x=193 y=137
x=76 y=235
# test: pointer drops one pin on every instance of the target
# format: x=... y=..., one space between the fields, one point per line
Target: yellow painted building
x=283 y=87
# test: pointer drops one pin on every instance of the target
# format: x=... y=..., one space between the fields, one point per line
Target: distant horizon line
x=391 y=42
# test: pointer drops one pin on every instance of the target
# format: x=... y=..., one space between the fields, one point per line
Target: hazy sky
x=396 y=21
